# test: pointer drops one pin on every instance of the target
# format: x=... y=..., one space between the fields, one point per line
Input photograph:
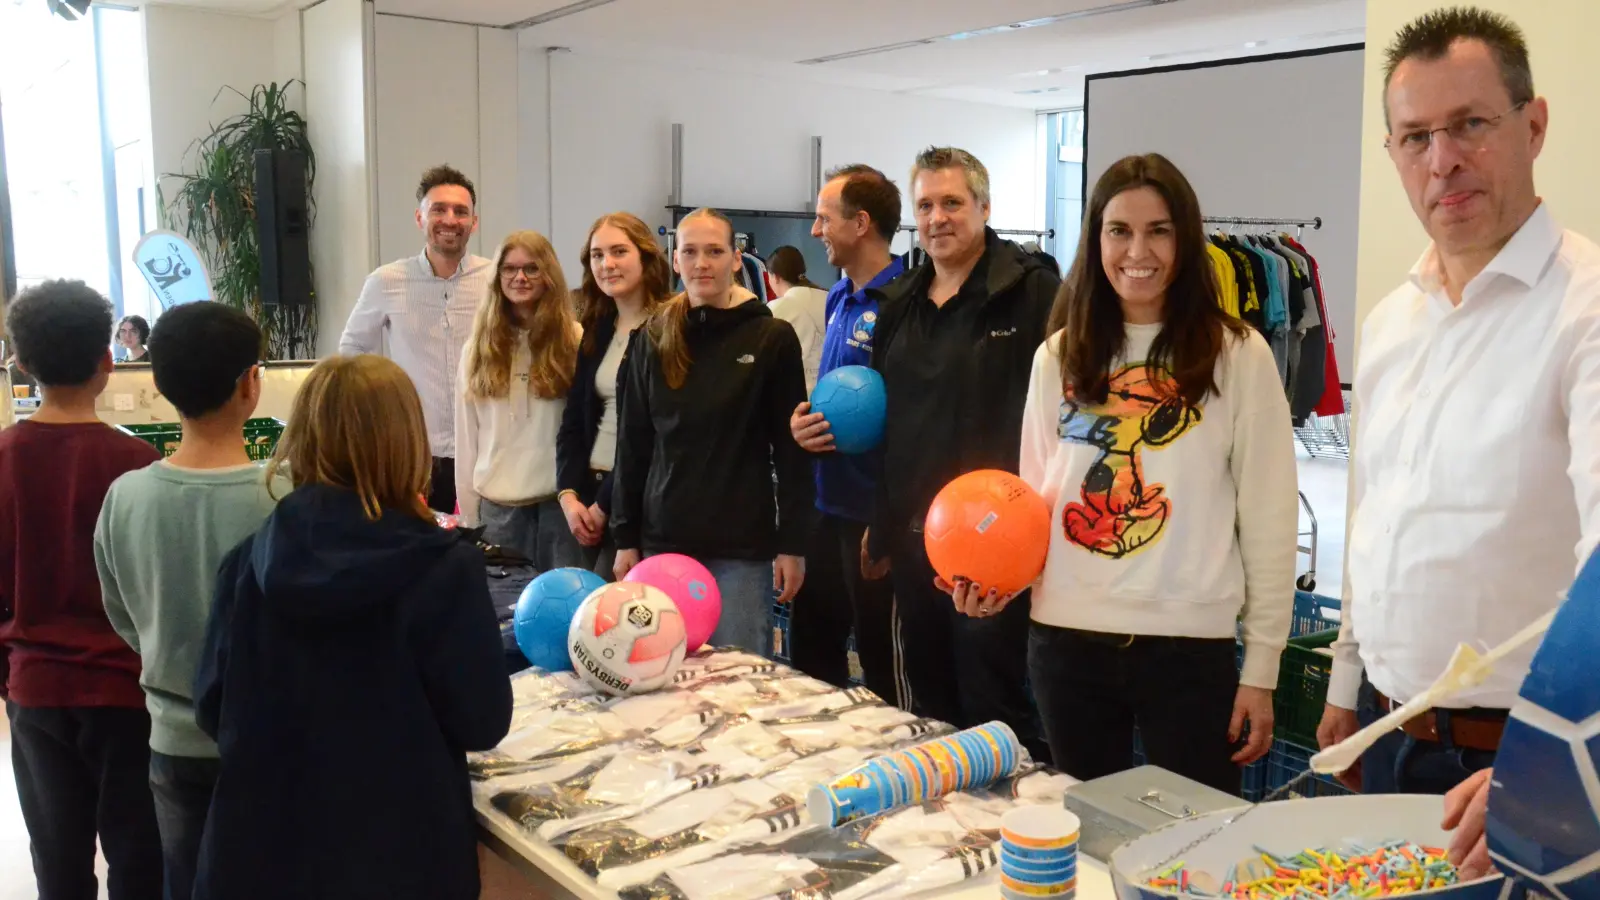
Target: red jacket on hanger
x=1332 y=402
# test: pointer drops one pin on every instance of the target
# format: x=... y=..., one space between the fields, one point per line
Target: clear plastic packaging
x=698 y=791
x=899 y=853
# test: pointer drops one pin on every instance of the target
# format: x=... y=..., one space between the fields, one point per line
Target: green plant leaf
x=214 y=205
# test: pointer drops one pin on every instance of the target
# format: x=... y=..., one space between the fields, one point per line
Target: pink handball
x=690 y=586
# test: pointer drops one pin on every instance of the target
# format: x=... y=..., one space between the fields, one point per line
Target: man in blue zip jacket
x=858 y=213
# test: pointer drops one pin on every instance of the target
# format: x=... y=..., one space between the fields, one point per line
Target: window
x=74 y=113
x=1064 y=183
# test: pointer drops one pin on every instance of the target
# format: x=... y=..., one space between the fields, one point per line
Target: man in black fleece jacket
x=704 y=423
x=955 y=343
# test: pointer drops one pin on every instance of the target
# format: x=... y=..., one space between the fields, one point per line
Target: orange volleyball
x=988 y=527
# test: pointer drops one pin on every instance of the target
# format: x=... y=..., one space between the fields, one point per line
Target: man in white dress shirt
x=423 y=305
x=1476 y=478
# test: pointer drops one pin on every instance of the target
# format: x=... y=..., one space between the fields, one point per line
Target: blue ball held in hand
x=852 y=399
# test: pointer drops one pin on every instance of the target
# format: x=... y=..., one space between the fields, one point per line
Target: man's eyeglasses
x=509 y=272
x=1468 y=132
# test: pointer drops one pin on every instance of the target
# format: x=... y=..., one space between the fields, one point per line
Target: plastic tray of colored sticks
x=1328 y=848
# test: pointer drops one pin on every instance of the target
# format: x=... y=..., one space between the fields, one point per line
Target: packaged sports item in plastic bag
x=896 y=854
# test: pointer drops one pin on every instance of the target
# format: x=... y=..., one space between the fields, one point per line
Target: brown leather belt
x=1469 y=729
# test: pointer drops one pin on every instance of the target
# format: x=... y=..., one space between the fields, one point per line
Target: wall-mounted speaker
x=283 y=227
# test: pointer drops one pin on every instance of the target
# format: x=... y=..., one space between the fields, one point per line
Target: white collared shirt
x=1475 y=483
x=427 y=320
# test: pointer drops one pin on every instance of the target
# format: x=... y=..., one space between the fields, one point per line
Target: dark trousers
x=182 y=787
x=442 y=486
x=83 y=772
x=1400 y=764
x=1093 y=689
x=834 y=601
x=960 y=669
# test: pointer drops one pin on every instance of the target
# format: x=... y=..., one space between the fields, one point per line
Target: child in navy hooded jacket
x=351 y=661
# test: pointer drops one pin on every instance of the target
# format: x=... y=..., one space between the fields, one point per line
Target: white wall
x=445 y=93
x=337 y=41
x=191 y=55
x=1561 y=45
x=1256 y=139
x=287 y=62
x=746 y=141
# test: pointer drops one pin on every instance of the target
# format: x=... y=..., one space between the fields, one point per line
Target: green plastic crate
x=1303 y=687
x=164 y=436
x=260 y=437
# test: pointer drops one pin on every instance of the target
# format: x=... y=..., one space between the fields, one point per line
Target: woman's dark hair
x=139 y=324
x=1089 y=312
x=789 y=264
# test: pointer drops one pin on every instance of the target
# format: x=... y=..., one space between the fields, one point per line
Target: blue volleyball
x=544 y=614
x=1544 y=804
x=853 y=400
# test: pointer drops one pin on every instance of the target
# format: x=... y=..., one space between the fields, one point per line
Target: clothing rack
x=1034 y=232
x=1300 y=225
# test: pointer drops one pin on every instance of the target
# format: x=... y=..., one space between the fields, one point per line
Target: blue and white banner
x=172 y=267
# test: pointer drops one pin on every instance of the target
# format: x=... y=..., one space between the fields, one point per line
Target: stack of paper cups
x=1038 y=853
x=968 y=759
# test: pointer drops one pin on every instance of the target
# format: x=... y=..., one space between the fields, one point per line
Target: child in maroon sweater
x=79 y=730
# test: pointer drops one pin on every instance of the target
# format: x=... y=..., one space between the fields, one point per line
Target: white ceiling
x=1040 y=67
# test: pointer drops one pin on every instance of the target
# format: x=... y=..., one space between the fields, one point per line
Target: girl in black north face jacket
x=703 y=426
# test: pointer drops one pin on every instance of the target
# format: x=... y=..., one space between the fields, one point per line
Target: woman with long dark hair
x=1158 y=430
x=625 y=278
x=710 y=383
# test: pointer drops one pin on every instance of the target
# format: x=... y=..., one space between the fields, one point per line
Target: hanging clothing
x=1330 y=400
x=1277 y=288
x=1227 y=283
x=753 y=276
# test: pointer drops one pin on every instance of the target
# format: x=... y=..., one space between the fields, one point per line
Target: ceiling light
x=1126 y=6
x=571 y=9
x=1251 y=45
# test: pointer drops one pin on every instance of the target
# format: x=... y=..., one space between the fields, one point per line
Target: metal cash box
x=1118 y=808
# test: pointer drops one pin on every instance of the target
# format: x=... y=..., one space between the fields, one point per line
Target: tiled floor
x=1322 y=481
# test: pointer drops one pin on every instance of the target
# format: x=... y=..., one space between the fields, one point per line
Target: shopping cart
x=1308 y=580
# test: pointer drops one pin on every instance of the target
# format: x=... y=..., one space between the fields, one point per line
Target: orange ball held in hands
x=988 y=527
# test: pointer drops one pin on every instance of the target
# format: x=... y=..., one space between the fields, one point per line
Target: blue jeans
x=1400 y=764
x=747 y=598
x=182 y=788
x=538 y=531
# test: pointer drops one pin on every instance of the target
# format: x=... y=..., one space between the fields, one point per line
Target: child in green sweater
x=161 y=535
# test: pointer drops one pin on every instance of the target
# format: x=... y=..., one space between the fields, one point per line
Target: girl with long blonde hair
x=704 y=430
x=625 y=278
x=515 y=375
x=349 y=621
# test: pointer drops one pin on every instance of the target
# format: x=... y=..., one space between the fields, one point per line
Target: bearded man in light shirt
x=1476 y=476
x=418 y=311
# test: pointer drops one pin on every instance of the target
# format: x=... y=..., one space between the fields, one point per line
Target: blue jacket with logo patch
x=845 y=484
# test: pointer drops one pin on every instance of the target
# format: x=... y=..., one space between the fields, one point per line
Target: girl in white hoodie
x=515 y=376
x=1157 y=429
